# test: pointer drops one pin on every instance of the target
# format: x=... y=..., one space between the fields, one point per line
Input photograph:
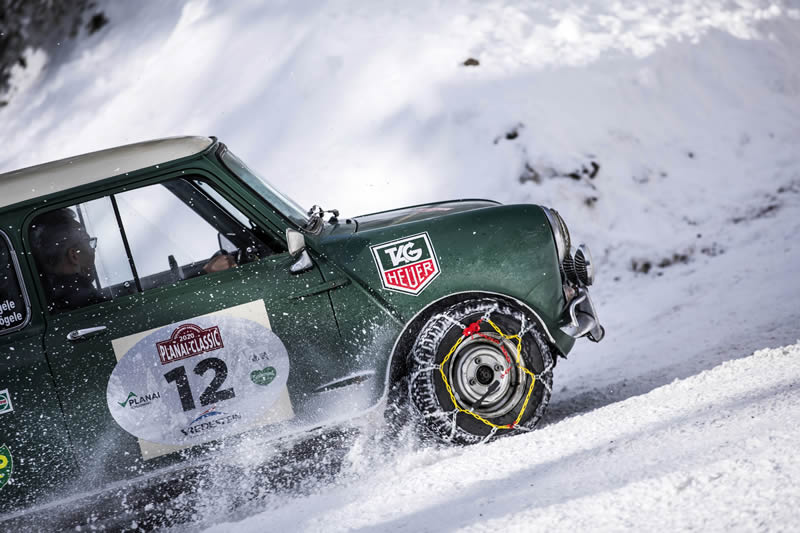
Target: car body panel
x=417 y=213
x=34 y=430
x=501 y=249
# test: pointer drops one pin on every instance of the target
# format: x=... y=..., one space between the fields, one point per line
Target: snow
x=685 y=416
x=669 y=459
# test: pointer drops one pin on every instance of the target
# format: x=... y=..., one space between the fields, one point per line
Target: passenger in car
x=65 y=255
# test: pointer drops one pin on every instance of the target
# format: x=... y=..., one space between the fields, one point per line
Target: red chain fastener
x=473 y=328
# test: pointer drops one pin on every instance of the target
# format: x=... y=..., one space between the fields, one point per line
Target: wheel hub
x=476 y=365
x=485 y=375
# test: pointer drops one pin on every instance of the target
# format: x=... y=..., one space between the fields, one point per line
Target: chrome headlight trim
x=560 y=232
x=578 y=267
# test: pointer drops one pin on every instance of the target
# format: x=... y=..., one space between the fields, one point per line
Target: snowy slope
x=692 y=112
x=710 y=452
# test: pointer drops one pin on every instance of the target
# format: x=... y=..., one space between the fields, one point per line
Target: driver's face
x=82 y=255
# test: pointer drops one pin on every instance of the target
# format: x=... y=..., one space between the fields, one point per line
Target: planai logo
x=135 y=401
x=406 y=265
x=124 y=402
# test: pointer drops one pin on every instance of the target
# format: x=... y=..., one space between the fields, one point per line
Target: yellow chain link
x=519 y=365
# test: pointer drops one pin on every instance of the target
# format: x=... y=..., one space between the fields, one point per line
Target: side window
x=138 y=240
x=13 y=303
x=80 y=255
x=183 y=228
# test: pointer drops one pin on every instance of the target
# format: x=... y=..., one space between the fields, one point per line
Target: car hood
x=417 y=213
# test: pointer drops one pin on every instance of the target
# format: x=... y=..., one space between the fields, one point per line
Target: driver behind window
x=65 y=256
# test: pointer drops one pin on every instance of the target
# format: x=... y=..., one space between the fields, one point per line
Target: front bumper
x=582 y=317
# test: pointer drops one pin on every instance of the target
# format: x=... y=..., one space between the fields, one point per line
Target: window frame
x=220 y=154
x=191 y=184
x=21 y=283
x=209 y=175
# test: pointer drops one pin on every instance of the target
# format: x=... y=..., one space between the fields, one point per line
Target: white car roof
x=40 y=180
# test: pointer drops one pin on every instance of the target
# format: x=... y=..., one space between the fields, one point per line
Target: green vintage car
x=161 y=298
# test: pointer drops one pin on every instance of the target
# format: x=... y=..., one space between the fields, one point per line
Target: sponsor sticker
x=5 y=402
x=406 y=265
x=263 y=377
x=135 y=401
x=196 y=381
x=209 y=420
x=6 y=465
x=189 y=340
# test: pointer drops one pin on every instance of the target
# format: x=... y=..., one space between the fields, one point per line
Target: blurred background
x=605 y=110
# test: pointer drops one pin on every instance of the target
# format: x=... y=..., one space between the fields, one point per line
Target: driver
x=65 y=256
x=64 y=253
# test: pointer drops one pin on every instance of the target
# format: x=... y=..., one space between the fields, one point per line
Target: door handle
x=80 y=334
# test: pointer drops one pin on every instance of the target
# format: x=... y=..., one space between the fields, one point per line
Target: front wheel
x=480 y=368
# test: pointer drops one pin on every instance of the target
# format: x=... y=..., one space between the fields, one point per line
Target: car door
x=35 y=453
x=156 y=275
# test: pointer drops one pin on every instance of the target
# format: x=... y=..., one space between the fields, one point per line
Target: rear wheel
x=478 y=369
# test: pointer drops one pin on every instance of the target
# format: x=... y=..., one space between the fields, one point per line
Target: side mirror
x=224 y=242
x=296 y=243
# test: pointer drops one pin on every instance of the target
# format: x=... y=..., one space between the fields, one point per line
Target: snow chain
x=474 y=329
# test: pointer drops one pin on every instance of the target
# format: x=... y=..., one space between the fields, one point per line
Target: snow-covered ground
x=712 y=452
x=692 y=112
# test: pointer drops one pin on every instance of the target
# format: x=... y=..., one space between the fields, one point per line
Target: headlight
x=584 y=266
x=560 y=232
x=579 y=267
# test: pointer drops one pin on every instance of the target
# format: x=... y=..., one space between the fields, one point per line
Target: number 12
x=212 y=393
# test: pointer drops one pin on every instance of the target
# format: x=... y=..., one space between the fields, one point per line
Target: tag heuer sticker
x=5 y=402
x=6 y=465
x=406 y=265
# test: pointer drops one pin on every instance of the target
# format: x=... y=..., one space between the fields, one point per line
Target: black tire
x=475 y=367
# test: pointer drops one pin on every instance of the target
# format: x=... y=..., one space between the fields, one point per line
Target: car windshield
x=273 y=196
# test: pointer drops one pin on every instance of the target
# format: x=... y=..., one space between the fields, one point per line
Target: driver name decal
x=406 y=265
x=189 y=340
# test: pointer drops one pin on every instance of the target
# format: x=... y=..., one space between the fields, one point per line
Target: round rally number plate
x=198 y=381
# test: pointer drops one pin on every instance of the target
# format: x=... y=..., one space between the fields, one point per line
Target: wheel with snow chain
x=480 y=368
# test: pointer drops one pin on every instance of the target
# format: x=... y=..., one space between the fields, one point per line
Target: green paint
x=263 y=377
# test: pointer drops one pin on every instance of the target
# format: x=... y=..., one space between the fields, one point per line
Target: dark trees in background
x=42 y=24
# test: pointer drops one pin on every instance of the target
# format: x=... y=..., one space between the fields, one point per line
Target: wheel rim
x=476 y=364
